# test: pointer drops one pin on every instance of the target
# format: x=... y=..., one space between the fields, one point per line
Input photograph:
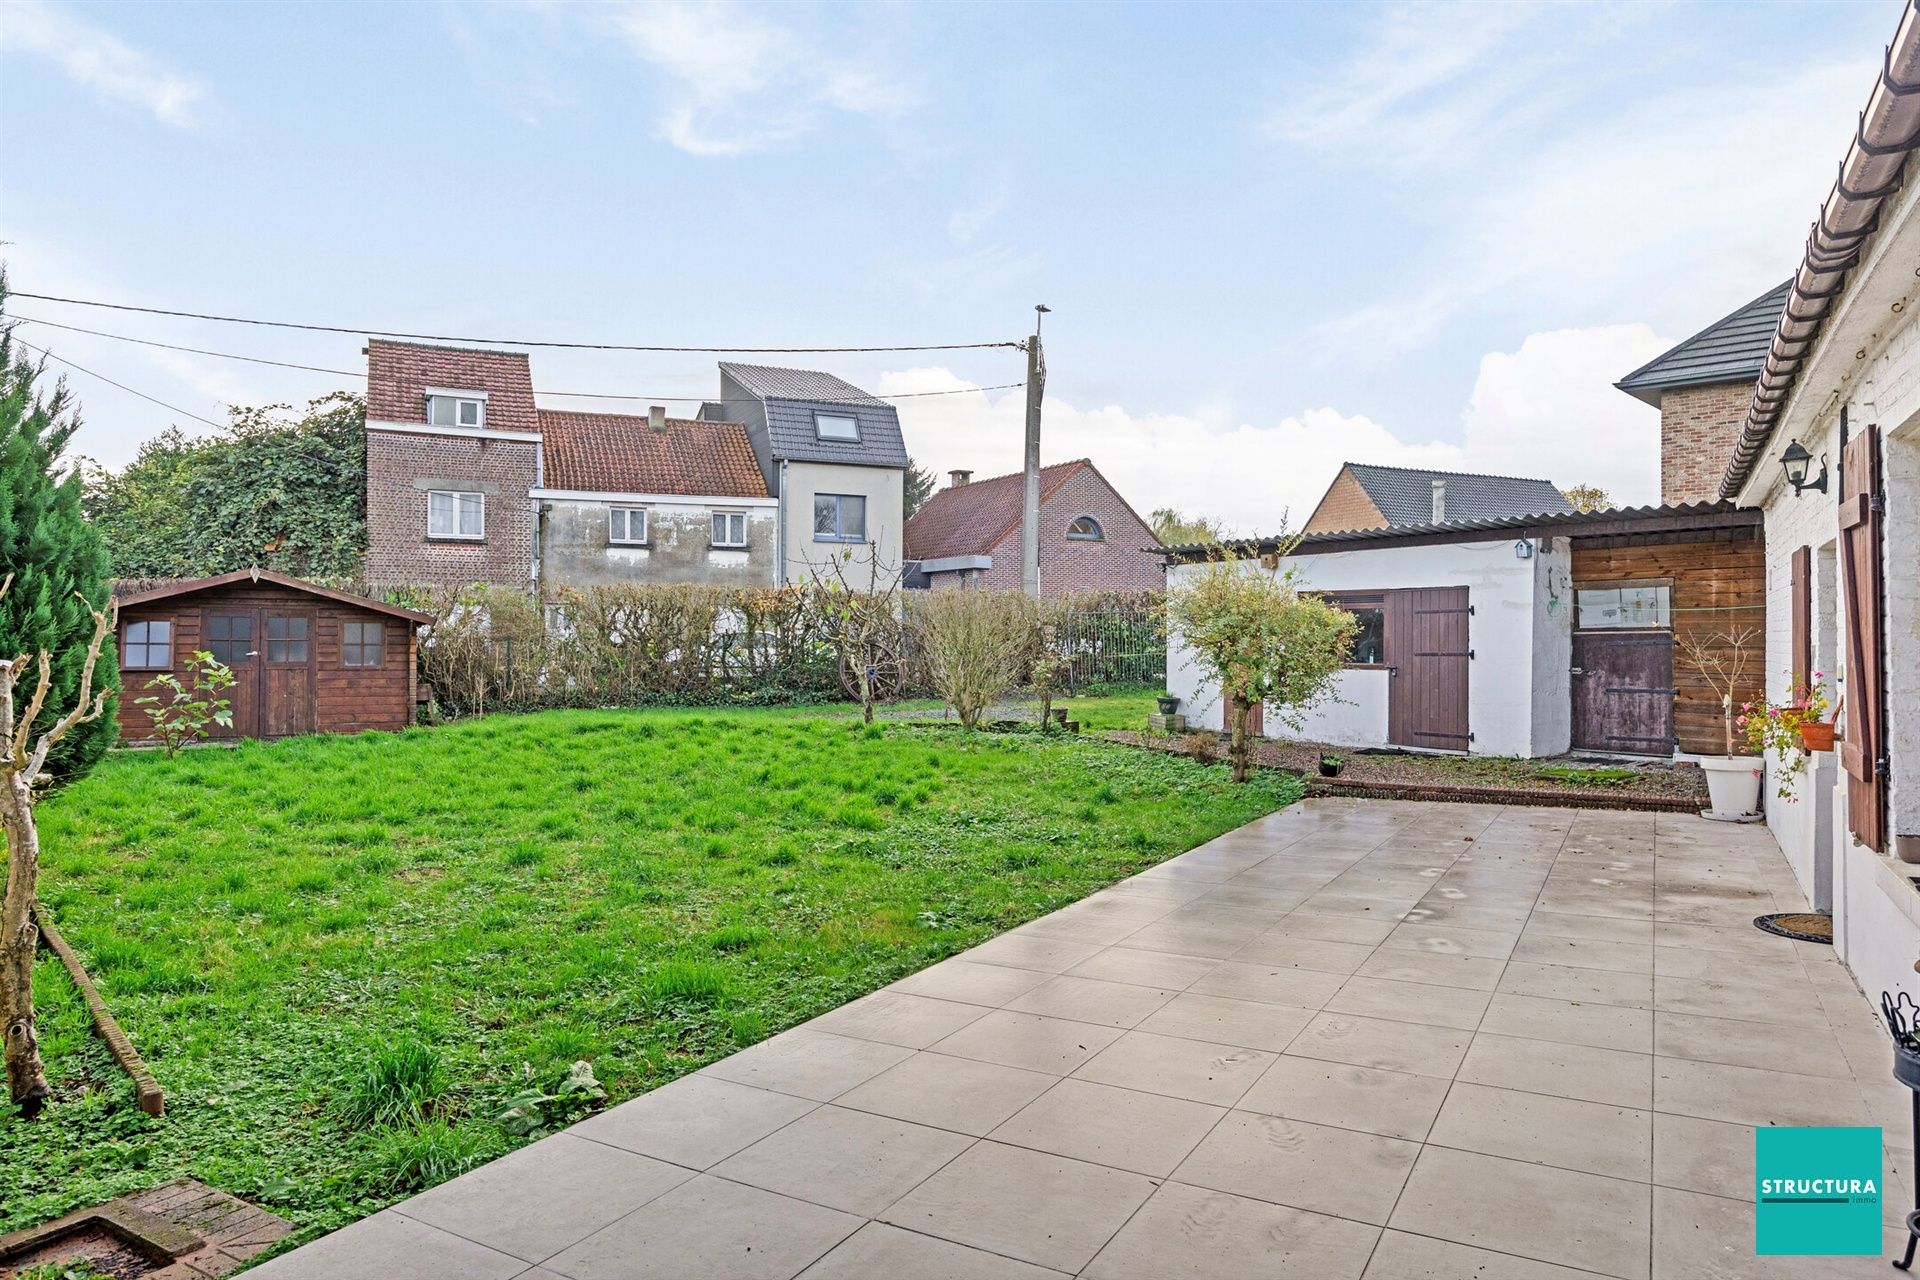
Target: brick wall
x=402 y=466
x=1697 y=430
x=1115 y=563
x=1345 y=506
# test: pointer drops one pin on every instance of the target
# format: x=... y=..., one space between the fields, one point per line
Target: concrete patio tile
x=388 y=1244
x=1104 y=921
x=542 y=1198
x=1583 y=986
x=1454 y=1007
x=1217 y=936
x=1223 y=1021
x=1393 y=1104
x=1400 y=1256
x=1700 y=1237
x=1611 y=1076
x=1145 y=968
x=1570 y=1022
x=1589 y=1136
x=878 y=1251
x=1111 y=1004
x=960 y=1094
x=1781 y=967
x=1301 y=988
x=1191 y=1069
x=1285 y=952
x=1196 y=1234
x=1786 y=1005
x=1031 y=951
x=808 y=1064
x=1306 y=924
x=1709 y=1156
x=1696 y=937
x=1029 y=1041
x=1747 y=1095
x=1555 y=1215
x=1475 y=973
x=1125 y=1129
x=1377 y=1042
x=845 y=1159
x=1809 y=1052
x=1585 y=953
x=1460 y=915
x=1450 y=940
x=991 y=985
x=1556 y=924
x=696 y=1121
x=892 y=1017
x=707 y=1227
x=1306 y=1166
x=1029 y=1205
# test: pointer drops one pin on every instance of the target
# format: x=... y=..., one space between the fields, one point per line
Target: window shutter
x=1865 y=728
x=1802 y=588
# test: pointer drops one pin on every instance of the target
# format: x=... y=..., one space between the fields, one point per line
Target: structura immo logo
x=1816 y=1191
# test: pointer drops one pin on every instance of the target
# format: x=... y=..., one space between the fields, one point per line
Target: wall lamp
x=1796 y=460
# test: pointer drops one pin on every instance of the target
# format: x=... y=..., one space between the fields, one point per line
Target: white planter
x=1733 y=784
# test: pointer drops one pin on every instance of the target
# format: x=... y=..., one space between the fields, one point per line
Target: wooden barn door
x=287 y=668
x=1865 y=743
x=1623 y=692
x=232 y=636
x=1428 y=655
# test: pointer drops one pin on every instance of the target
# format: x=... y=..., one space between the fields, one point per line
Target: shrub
x=976 y=645
x=189 y=709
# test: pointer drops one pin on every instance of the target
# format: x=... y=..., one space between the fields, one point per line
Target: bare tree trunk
x=1239 y=749
x=19 y=939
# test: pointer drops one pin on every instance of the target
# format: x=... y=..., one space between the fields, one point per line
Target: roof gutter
x=1875 y=164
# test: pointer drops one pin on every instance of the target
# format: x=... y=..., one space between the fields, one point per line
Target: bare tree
x=23 y=763
x=1720 y=659
x=976 y=644
x=862 y=622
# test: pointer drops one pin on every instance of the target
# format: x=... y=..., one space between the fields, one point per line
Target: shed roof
x=621 y=453
x=1731 y=349
x=1404 y=495
x=972 y=519
x=188 y=586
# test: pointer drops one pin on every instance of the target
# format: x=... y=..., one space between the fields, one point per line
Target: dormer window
x=1085 y=529
x=836 y=426
x=456 y=408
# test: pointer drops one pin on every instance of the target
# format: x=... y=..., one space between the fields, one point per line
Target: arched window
x=1085 y=529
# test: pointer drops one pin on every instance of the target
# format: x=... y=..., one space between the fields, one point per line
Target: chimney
x=957 y=478
x=657 y=420
x=1439 y=501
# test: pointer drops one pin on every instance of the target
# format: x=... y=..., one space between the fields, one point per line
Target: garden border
x=152 y=1100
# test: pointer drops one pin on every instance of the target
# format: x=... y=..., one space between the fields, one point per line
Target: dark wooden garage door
x=1427 y=650
x=1623 y=691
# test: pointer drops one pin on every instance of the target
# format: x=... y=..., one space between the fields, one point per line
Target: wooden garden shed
x=306 y=659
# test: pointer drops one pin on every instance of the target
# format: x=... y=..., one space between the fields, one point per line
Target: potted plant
x=1720 y=659
x=1790 y=730
x=1168 y=704
x=1331 y=765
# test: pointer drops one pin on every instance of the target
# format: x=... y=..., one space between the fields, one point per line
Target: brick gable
x=1698 y=426
x=399 y=373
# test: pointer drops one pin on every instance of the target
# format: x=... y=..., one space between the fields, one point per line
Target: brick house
x=1363 y=496
x=1702 y=389
x=1091 y=539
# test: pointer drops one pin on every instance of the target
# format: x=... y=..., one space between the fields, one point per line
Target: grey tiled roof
x=796 y=384
x=790 y=398
x=1731 y=349
x=1405 y=495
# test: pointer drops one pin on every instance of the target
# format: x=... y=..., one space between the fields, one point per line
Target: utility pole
x=1030 y=510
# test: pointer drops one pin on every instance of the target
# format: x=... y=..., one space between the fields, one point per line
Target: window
x=287 y=639
x=1085 y=529
x=361 y=644
x=147 y=646
x=627 y=525
x=560 y=623
x=839 y=517
x=457 y=408
x=456 y=515
x=1628 y=606
x=835 y=426
x=729 y=528
x=228 y=637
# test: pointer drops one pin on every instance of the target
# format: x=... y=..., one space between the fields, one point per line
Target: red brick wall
x=1345 y=507
x=1066 y=567
x=1697 y=430
x=402 y=466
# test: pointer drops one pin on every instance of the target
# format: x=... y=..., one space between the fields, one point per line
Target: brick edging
x=1377 y=790
x=152 y=1100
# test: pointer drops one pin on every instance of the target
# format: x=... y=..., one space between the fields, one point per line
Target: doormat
x=1801 y=926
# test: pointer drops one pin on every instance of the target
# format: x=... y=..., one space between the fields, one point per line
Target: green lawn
x=340 y=956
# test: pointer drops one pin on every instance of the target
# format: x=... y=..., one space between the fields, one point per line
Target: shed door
x=287 y=670
x=232 y=637
x=1428 y=655
x=1623 y=691
x=1863 y=750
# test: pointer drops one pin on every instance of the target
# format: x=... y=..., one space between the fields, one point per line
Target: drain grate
x=1801 y=926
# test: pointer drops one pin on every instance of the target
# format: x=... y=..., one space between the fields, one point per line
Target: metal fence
x=1113 y=646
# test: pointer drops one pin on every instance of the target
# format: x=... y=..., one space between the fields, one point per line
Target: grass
x=342 y=956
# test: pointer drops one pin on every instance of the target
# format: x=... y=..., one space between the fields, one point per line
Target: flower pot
x=1331 y=768
x=1168 y=705
x=1816 y=737
x=1733 y=783
x=1906 y=1066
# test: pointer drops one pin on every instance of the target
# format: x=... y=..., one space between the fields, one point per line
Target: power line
x=123 y=386
x=510 y=342
x=168 y=346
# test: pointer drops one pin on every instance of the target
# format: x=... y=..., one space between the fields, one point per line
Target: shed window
x=1085 y=529
x=287 y=639
x=456 y=515
x=228 y=637
x=627 y=525
x=835 y=426
x=456 y=409
x=360 y=644
x=1627 y=606
x=729 y=528
x=1370 y=641
x=147 y=646
x=839 y=517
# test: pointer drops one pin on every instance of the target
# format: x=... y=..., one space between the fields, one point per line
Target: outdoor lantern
x=1796 y=460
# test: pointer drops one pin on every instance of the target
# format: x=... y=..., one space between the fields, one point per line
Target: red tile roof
x=620 y=453
x=971 y=520
x=398 y=374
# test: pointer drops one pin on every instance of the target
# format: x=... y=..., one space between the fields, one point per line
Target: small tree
x=1587 y=497
x=1175 y=529
x=1048 y=662
x=862 y=623
x=23 y=768
x=189 y=708
x=1721 y=658
x=1259 y=639
x=917 y=487
x=976 y=645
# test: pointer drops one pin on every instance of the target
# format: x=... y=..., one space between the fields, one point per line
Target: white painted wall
x=884 y=490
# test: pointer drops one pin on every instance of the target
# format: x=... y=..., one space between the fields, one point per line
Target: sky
x=1273 y=237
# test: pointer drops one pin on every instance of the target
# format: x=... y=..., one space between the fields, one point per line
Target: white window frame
x=460 y=399
x=819 y=429
x=722 y=519
x=459 y=500
x=620 y=526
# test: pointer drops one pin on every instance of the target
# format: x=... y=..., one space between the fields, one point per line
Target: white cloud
x=100 y=61
x=736 y=83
